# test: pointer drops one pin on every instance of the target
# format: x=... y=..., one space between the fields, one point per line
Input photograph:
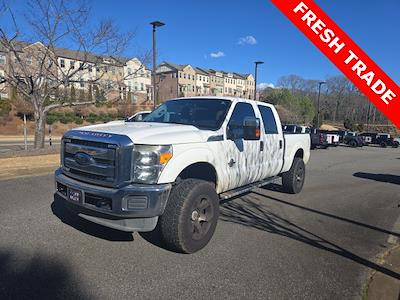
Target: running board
x=247 y=188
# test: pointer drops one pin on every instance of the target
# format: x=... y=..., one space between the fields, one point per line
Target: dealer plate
x=74 y=195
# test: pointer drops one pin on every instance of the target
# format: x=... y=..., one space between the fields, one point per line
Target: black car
x=353 y=139
x=381 y=139
x=318 y=139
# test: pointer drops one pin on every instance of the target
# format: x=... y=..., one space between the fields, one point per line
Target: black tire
x=395 y=145
x=190 y=216
x=353 y=143
x=293 y=180
x=383 y=144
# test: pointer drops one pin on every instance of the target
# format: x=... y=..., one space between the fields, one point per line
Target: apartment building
x=105 y=77
x=3 y=68
x=137 y=80
x=174 y=80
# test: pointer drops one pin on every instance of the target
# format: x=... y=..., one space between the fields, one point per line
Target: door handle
x=280 y=144
x=231 y=162
x=261 y=146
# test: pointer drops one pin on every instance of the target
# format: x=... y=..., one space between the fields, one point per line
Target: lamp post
x=256 y=63
x=319 y=96
x=155 y=24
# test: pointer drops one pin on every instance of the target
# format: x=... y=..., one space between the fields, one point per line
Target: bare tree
x=35 y=67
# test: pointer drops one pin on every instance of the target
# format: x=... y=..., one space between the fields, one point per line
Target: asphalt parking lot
x=320 y=244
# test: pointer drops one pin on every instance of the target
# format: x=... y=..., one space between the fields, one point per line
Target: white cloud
x=249 y=40
x=264 y=85
x=217 y=54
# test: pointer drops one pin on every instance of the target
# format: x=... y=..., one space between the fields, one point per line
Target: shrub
x=51 y=119
x=92 y=118
x=5 y=108
x=349 y=124
x=78 y=121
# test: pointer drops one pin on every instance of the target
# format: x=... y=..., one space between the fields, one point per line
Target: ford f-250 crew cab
x=172 y=168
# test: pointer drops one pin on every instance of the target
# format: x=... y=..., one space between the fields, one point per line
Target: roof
x=202 y=71
x=233 y=99
x=174 y=66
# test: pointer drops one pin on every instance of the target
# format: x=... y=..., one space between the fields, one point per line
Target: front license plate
x=74 y=195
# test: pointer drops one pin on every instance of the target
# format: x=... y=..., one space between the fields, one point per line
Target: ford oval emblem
x=83 y=159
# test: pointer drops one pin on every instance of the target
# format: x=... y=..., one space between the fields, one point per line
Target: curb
x=380 y=286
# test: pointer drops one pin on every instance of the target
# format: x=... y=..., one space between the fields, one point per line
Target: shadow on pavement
x=248 y=213
x=154 y=237
x=61 y=210
x=272 y=187
x=395 y=179
x=40 y=277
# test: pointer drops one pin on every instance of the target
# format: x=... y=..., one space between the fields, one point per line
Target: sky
x=231 y=35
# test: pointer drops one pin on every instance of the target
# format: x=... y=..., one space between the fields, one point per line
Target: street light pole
x=155 y=24
x=319 y=96
x=256 y=63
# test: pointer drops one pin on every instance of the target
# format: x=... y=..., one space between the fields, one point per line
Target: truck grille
x=100 y=160
x=94 y=161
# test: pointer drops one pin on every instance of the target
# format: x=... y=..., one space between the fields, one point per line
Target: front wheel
x=383 y=144
x=395 y=144
x=293 y=180
x=190 y=216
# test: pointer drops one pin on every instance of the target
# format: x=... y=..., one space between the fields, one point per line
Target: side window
x=235 y=125
x=268 y=119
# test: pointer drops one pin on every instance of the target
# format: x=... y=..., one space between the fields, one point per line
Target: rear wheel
x=191 y=216
x=353 y=143
x=395 y=144
x=293 y=180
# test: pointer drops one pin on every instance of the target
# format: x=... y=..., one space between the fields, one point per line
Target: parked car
x=139 y=116
x=318 y=139
x=332 y=138
x=353 y=139
x=174 y=167
x=381 y=139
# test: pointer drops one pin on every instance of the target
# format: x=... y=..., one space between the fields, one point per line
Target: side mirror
x=251 y=129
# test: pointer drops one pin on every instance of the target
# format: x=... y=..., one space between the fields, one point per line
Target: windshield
x=205 y=114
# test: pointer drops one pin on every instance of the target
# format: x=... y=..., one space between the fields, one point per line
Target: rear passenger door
x=272 y=157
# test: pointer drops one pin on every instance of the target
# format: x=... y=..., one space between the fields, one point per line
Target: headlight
x=148 y=162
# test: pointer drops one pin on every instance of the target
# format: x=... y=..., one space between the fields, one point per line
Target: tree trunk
x=40 y=122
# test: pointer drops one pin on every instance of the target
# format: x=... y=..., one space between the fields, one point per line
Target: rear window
x=268 y=119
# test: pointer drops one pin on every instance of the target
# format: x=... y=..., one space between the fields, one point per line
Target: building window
x=82 y=84
x=180 y=75
x=2 y=59
x=184 y=75
x=72 y=65
x=129 y=71
x=142 y=86
x=81 y=66
x=29 y=60
x=90 y=69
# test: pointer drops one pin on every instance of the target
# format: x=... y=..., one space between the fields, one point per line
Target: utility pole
x=155 y=24
x=256 y=63
x=319 y=96
x=369 y=110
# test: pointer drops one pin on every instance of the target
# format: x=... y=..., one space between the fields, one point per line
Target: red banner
x=345 y=54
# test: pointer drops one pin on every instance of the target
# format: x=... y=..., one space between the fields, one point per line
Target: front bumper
x=135 y=207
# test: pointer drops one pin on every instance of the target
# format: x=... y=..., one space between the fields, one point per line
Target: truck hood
x=152 y=133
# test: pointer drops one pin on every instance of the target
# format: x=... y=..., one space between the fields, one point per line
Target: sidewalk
x=384 y=287
x=14 y=167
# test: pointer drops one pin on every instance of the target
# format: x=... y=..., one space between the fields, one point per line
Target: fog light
x=135 y=202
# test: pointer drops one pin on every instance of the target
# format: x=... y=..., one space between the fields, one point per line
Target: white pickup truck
x=172 y=168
